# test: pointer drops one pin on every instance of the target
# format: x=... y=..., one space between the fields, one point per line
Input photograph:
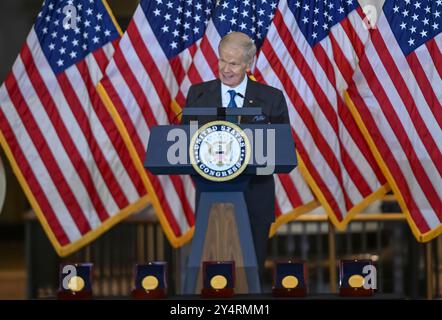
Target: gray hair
x=241 y=40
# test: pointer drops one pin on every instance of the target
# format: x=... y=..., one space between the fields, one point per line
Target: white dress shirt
x=225 y=95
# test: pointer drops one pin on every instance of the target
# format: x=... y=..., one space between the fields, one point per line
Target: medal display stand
x=353 y=275
x=150 y=281
x=289 y=279
x=75 y=281
x=218 y=279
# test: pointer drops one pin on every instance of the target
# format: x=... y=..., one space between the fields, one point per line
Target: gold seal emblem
x=218 y=282
x=149 y=283
x=76 y=284
x=356 y=281
x=290 y=282
x=219 y=151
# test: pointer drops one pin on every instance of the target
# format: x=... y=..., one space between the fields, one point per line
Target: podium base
x=287 y=293
x=217 y=293
x=355 y=292
x=70 y=295
x=142 y=294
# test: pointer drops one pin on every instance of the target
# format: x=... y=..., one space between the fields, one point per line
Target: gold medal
x=76 y=284
x=356 y=281
x=150 y=283
x=218 y=282
x=290 y=282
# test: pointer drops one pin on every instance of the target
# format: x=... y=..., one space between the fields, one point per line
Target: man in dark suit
x=233 y=89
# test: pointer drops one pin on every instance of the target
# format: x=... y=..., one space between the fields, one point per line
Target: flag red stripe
x=286 y=181
x=343 y=111
x=107 y=84
x=122 y=111
x=101 y=59
x=210 y=54
x=149 y=117
x=292 y=93
x=46 y=155
x=164 y=204
x=324 y=61
x=151 y=69
x=353 y=170
x=349 y=122
x=289 y=186
x=306 y=72
x=192 y=50
x=177 y=69
x=62 y=132
x=141 y=152
x=319 y=182
x=426 y=87
x=436 y=55
x=299 y=104
x=31 y=180
x=164 y=95
x=341 y=61
x=138 y=93
x=389 y=159
x=407 y=98
x=352 y=34
x=179 y=188
x=115 y=138
x=99 y=159
x=354 y=173
x=322 y=100
x=180 y=99
x=400 y=132
x=193 y=74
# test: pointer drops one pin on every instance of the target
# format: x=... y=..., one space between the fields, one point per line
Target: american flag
x=61 y=141
x=310 y=52
x=168 y=46
x=397 y=92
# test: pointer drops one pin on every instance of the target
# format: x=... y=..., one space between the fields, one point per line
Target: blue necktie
x=232 y=104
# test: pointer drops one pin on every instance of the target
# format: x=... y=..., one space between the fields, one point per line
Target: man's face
x=231 y=65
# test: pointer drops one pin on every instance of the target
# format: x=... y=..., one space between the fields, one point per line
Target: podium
x=222 y=227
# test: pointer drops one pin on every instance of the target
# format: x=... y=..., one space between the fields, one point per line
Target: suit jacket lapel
x=249 y=99
x=215 y=94
x=250 y=95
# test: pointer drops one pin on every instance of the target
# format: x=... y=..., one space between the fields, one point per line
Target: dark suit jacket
x=260 y=194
